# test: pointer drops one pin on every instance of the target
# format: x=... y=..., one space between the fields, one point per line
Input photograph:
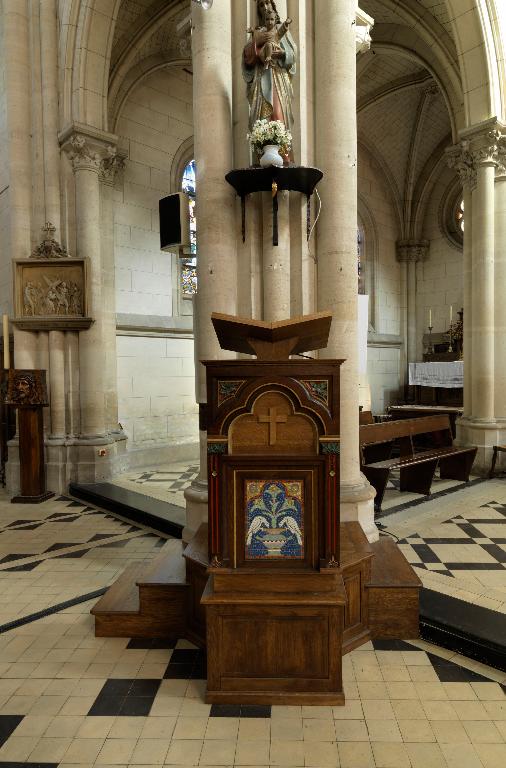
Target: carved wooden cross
x=272 y=419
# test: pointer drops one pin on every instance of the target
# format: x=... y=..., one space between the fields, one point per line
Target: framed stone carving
x=51 y=294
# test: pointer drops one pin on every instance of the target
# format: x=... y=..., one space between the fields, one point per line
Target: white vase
x=271 y=156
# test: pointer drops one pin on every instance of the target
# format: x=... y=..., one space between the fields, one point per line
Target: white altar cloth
x=445 y=375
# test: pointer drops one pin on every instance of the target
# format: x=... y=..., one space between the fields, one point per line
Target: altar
x=437 y=383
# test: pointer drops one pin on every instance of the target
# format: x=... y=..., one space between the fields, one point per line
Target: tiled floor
x=63 y=549
x=457 y=542
x=167 y=484
x=68 y=698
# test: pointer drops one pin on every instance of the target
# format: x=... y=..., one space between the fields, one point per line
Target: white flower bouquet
x=270 y=132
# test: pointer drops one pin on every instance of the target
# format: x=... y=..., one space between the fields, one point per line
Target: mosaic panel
x=318 y=389
x=228 y=389
x=274 y=524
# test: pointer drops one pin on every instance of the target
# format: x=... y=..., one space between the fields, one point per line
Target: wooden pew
x=416 y=469
x=365 y=417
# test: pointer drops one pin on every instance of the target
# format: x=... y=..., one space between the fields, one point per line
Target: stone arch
x=135 y=75
x=479 y=35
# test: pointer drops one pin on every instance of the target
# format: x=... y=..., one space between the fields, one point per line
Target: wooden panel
x=392 y=430
x=394 y=613
x=278 y=646
x=353 y=587
x=273 y=428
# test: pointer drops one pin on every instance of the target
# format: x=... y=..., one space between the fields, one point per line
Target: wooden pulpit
x=27 y=392
x=276 y=598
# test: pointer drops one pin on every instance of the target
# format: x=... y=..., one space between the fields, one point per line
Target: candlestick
x=7 y=351
x=430 y=350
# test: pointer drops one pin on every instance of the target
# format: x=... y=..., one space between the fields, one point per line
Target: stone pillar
x=276 y=259
x=56 y=380
x=336 y=155
x=49 y=86
x=477 y=160
x=16 y=54
x=410 y=253
x=96 y=454
x=483 y=207
x=500 y=294
x=111 y=166
x=215 y=207
x=461 y=159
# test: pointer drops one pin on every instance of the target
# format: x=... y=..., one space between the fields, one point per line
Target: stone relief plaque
x=51 y=294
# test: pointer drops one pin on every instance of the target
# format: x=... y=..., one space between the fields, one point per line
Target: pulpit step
x=148 y=600
x=393 y=591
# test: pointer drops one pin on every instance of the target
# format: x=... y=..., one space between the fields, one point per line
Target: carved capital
x=412 y=250
x=111 y=165
x=83 y=155
x=462 y=161
x=363 y=26
x=485 y=148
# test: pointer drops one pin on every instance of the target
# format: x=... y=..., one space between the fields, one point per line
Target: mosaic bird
x=257 y=524
x=291 y=524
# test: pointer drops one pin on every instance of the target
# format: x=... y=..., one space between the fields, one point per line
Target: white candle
x=430 y=317
x=451 y=313
x=7 y=352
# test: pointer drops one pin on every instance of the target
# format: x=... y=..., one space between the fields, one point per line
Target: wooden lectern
x=274 y=585
x=275 y=602
x=26 y=391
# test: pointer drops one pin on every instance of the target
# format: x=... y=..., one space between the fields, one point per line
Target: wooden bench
x=417 y=469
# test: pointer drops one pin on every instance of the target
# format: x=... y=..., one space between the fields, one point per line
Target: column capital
x=412 y=250
x=364 y=24
x=111 y=165
x=462 y=161
x=87 y=147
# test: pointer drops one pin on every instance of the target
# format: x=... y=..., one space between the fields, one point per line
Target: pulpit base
x=275 y=647
x=32 y=499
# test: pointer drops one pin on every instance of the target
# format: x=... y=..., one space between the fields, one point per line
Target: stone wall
x=5 y=271
x=155 y=347
x=380 y=226
x=440 y=278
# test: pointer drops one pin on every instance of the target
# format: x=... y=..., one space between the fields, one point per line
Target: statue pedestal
x=31 y=456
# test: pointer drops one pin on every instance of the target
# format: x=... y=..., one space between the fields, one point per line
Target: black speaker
x=174 y=221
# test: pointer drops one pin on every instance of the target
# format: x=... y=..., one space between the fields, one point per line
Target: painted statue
x=269 y=63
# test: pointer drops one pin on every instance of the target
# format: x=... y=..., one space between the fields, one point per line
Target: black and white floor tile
x=164 y=484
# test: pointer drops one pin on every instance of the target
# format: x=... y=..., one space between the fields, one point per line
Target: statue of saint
x=269 y=63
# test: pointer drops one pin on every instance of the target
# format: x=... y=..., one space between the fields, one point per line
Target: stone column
x=461 y=160
x=500 y=292
x=49 y=86
x=56 y=383
x=96 y=453
x=110 y=168
x=483 y=207
x=215 y=207
x=410 y=253
x=16 y=54
x=276 y=259
x=336 y=155
x=477 y=160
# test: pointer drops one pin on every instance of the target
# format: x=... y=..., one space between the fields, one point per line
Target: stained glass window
x=459 y=214
x=360 y=262
x=189 y=262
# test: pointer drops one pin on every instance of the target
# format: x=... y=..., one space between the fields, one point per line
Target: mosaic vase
x=274 y=540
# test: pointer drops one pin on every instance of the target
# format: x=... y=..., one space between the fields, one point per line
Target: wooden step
x=148 y=599
x=123 y=595
x=394 y=591
x=167 y=568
